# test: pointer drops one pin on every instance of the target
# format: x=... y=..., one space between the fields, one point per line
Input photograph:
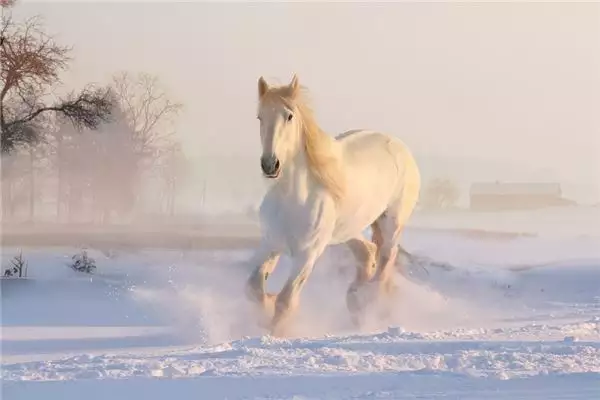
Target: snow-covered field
x=477 y=319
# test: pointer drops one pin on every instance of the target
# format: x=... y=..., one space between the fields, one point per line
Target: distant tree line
x=91 y=151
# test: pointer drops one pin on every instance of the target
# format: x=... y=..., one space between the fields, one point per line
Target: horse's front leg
x=265 y=261
x=287 y=300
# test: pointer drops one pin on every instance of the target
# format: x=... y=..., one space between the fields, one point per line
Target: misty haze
x=131 y=154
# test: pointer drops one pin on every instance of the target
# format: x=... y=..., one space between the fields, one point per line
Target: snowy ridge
x=387 y=352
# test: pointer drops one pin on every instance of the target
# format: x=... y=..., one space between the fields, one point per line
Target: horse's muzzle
x=270 y=166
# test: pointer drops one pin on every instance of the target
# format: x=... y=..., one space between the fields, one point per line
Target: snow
x=493 y=319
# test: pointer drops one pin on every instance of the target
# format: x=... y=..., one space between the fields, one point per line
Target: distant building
x=496 y=196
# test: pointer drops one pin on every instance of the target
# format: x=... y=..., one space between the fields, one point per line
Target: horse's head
x=280 y=125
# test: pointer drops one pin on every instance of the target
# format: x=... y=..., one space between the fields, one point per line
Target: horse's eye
x=290 y=116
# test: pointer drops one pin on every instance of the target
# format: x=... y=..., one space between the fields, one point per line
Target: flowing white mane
x=318 y=146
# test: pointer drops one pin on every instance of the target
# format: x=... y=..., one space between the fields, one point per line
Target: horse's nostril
x=269 y=165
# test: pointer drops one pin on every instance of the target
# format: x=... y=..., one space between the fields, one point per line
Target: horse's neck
x=296 y=178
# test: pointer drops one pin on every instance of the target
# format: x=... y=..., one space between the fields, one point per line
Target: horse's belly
x=354 y=218
x=368 y=197
x=348 y=228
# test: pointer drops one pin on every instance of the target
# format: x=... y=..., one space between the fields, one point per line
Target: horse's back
x=351 y=133
x=379 y=168
x=358 y=134
x=362 y=143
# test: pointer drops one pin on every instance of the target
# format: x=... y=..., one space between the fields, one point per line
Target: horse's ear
x=263 y=87
x=294 y=84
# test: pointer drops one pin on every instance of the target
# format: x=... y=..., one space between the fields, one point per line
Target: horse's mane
x=322 y=161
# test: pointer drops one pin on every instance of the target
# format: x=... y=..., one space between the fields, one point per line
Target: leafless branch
x=147 y=108
x=31 y=64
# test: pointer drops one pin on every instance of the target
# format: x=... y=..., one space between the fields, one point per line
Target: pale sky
x=485 y=91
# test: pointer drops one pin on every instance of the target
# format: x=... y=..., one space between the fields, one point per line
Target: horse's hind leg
x=365 y=253
x=380 y=285
x=391 y=224
x=377 y=238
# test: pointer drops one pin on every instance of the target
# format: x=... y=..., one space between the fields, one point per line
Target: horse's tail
x=406 y=263
x=412 y=260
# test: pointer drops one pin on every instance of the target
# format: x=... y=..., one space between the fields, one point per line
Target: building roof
x=512 y=188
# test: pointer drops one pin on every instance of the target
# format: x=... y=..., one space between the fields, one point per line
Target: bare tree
x=147 y=108
x=31 y=64
x=114 y=169
x=174 y=169
x=440 y=194
x=96 y=170
x=7 y=4
x=14 y=182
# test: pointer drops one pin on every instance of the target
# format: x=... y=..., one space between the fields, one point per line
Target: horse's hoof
x=372 y=299
x=278 y=330
x=263 y=308
x=359 y=300
x=357 y=319
x=388 y=296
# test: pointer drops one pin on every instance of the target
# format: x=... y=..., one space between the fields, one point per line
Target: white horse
x=326 y=191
